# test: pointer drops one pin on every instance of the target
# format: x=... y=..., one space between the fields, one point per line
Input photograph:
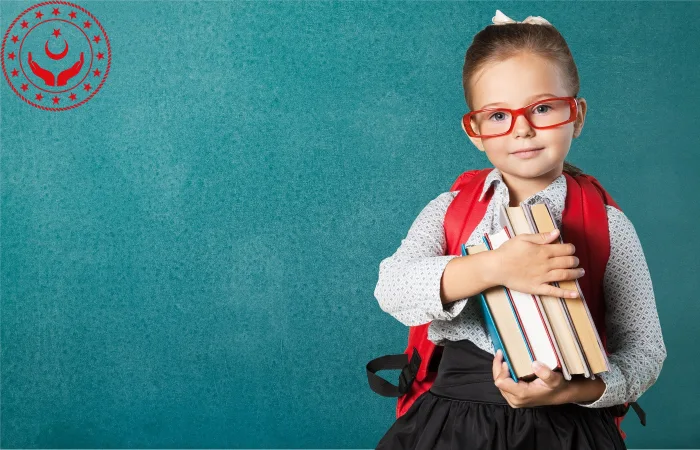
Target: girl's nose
x=522 y=126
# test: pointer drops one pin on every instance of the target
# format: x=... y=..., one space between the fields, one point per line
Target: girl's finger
x=553 y=291
x=504 y=382
x=496 y=366
x=564 y=274
x=503 y=371
x=563 y=262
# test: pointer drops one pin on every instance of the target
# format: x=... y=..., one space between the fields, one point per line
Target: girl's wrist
x=492 y=272
x=583 y=390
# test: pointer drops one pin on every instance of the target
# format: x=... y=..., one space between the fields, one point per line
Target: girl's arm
x=634 y=338
x=411 y=285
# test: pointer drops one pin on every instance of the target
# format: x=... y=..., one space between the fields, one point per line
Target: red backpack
x=421 y=358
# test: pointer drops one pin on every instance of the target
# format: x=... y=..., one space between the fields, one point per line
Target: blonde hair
x=496 y=43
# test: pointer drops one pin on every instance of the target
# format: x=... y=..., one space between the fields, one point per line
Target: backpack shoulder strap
x=464 y=178
x=607 y=198
x=466 y=210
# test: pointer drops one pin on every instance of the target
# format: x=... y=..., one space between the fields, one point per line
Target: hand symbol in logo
x=41 y=72
x=48 y=76
x=70 y=72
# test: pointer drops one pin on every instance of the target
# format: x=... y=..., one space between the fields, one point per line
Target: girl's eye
x=498 y=116
x=543 y=106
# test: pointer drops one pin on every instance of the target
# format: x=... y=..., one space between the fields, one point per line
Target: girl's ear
x=476 y=141
x=580 y=117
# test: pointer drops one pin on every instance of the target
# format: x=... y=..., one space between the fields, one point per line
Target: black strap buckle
x=409 y=370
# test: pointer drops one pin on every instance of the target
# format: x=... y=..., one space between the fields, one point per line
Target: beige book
x=578 y=310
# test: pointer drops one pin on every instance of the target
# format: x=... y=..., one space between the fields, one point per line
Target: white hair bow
x=500 y=19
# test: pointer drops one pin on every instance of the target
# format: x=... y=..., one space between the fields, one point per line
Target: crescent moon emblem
x=56 y=55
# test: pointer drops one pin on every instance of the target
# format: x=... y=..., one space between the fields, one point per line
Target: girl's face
x=514 y=83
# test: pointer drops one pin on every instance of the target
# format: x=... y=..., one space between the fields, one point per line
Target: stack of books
x=558 y=332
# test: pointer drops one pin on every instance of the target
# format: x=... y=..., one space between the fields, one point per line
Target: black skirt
x=465 y=410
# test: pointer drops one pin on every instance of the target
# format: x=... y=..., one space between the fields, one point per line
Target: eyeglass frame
x=515 y=113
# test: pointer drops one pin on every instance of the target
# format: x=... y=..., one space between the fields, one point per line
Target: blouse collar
x=554 y=194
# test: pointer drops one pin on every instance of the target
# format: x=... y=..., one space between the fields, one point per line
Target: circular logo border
x=97 y=22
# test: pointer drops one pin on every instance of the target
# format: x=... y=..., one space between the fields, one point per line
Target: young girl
x=473 y=402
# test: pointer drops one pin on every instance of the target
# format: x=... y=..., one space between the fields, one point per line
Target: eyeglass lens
x=543 y=114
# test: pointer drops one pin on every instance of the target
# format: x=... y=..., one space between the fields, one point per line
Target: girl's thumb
x=552 y=235
x=544 y=238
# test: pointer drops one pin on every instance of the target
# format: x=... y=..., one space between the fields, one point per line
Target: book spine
x=606 y=363
x=492 y=329
x=521 y=326
x=518 y=322
x=524 y=207
x=495 y=337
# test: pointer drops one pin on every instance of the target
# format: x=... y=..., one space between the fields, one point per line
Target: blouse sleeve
x=409 y=280
x=634 y=338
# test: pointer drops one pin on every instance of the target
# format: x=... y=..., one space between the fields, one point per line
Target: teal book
x=491 y=325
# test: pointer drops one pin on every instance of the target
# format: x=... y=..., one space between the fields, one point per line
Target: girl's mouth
x=528 y=154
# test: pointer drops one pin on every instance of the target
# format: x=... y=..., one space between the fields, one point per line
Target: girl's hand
x=525 y=265
x=550 y=388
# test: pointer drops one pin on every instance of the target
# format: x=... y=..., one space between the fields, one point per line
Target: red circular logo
x=56 y=55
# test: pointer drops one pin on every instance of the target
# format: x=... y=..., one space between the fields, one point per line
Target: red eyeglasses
x=543 y=114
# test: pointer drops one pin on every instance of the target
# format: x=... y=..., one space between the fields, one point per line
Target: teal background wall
x=189 y=259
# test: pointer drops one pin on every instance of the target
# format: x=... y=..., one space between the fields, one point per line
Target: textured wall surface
x=189 y=258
